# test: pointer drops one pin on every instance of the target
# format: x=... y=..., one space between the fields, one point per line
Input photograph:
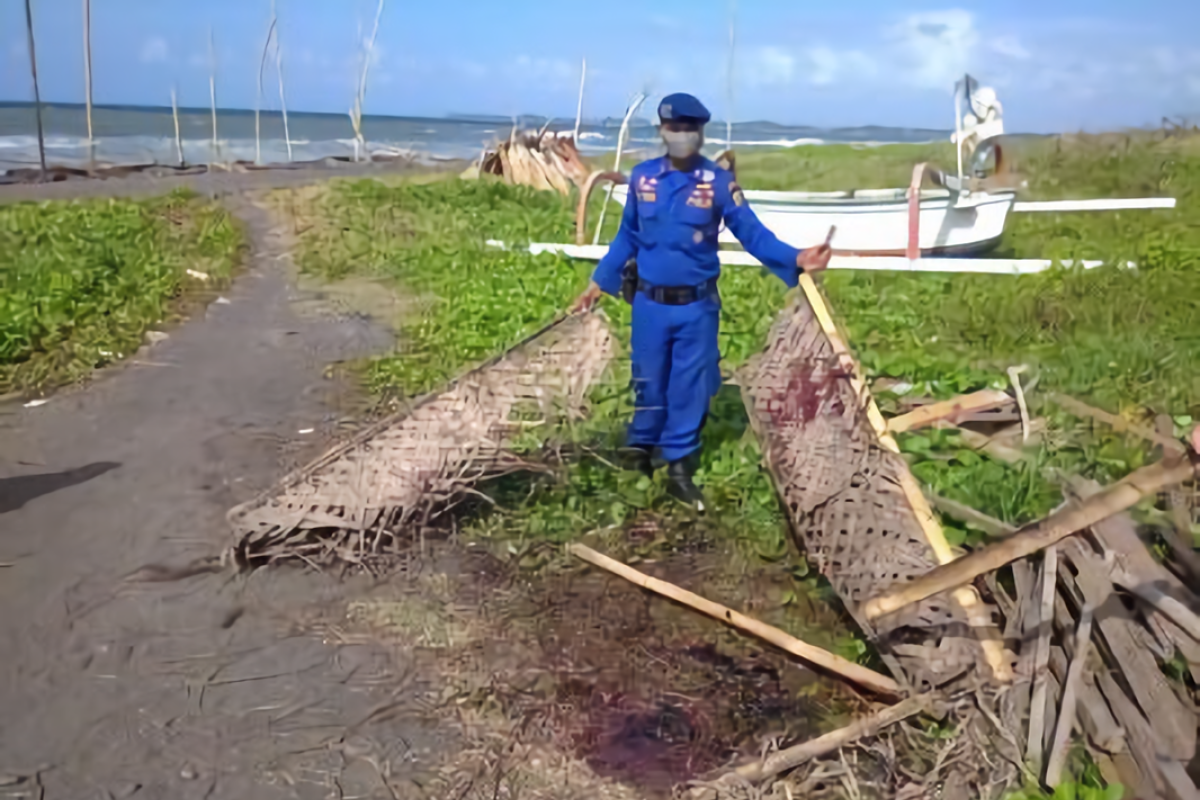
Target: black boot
x=680 y=485
x=637 y=458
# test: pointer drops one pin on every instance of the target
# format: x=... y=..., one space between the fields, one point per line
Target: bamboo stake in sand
x=37 y=92
x=360 y=142
x=579 y=108
x=867 y=678
x=287 y=137
x=262 y=64
x=1111 y=500
x=87 y=77
x=793 y=757
x=212 y=92
x=967 y=597
x=178 y=137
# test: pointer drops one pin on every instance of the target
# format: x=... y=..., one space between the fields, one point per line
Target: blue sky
x=1060 y=65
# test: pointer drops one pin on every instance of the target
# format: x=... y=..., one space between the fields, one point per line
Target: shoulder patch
x=736 y=192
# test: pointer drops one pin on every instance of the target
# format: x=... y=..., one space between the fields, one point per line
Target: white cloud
x=1010 y=47
x=935 y=48
x=771 y=66
x=154 y=50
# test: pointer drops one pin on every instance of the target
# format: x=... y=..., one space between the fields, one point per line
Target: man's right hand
x=814 y=259
x=587 y=301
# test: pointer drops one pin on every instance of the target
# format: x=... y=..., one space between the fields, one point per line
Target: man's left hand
x=814 y=259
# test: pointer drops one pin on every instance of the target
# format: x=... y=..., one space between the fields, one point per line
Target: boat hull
x=877 y=223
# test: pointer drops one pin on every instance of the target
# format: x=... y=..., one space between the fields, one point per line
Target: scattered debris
x=540 y=159
x=155 y=337
x=203 y=276
x=35 y=403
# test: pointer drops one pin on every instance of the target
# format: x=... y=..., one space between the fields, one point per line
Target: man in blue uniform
x=664 y=261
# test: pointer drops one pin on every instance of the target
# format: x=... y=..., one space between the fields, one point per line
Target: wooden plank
x=956 y=410
x=1118 y=535
x=1058 y=526
x=1173 y=724
x=1094 y=715
x=1072 y=686
x=1041 y=674
x=1168 y=777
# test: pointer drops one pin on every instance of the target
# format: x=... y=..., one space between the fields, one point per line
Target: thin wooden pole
x=37 y=94
x=178 y=137
x=212 y=93
x=860 y=675
x=262 y=64
x=360 y=142
x=87 y=77
x=830 y=742
x=579 y=107
x=729 y=74
x=287 y=136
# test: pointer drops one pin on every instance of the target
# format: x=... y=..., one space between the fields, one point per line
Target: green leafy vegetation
x=82 y=282
x=1114 y=337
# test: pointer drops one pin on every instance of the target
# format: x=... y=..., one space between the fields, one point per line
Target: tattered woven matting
x=353 y=501
x=842 y=493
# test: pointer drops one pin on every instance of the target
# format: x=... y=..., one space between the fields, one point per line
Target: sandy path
x=203 y=687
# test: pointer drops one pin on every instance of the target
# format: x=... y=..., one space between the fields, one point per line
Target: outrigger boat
x=960 y=215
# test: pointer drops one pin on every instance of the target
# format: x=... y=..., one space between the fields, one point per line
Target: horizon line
x=448 y=116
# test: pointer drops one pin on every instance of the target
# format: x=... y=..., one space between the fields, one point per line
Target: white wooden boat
x=877 y=222
x=961 y=217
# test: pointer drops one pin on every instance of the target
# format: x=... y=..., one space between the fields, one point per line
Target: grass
x=1116 y=338
x=81 y=282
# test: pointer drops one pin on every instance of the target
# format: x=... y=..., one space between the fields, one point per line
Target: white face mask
x=683 y=144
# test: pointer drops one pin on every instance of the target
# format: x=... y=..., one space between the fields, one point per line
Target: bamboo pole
x=258 y=104
x=212 y=93
x=729 y=74
x=287 y=136
x=1111 y=500
x=633 y=107
x=793 y=757
x=37 y=93
x=860 y=675
x=1037 y=711
x=87 y=77
x=178 y=137
x=953 y=410
x=579 y=107
x=360 y=142
x=977 y=614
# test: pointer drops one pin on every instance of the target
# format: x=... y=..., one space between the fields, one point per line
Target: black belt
x=678 y=295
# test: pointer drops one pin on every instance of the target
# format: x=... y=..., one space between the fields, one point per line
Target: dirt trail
x=202 y=687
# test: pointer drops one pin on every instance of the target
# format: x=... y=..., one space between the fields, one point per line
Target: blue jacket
x=670 y=226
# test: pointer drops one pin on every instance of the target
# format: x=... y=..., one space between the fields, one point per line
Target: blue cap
x=684 y=108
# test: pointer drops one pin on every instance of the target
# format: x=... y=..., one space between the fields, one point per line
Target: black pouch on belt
x=629 y=281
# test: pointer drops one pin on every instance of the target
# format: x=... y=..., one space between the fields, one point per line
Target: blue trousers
x=676 y=373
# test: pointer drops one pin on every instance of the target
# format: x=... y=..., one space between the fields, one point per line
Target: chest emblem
x=647 y=189
x=701 y=196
